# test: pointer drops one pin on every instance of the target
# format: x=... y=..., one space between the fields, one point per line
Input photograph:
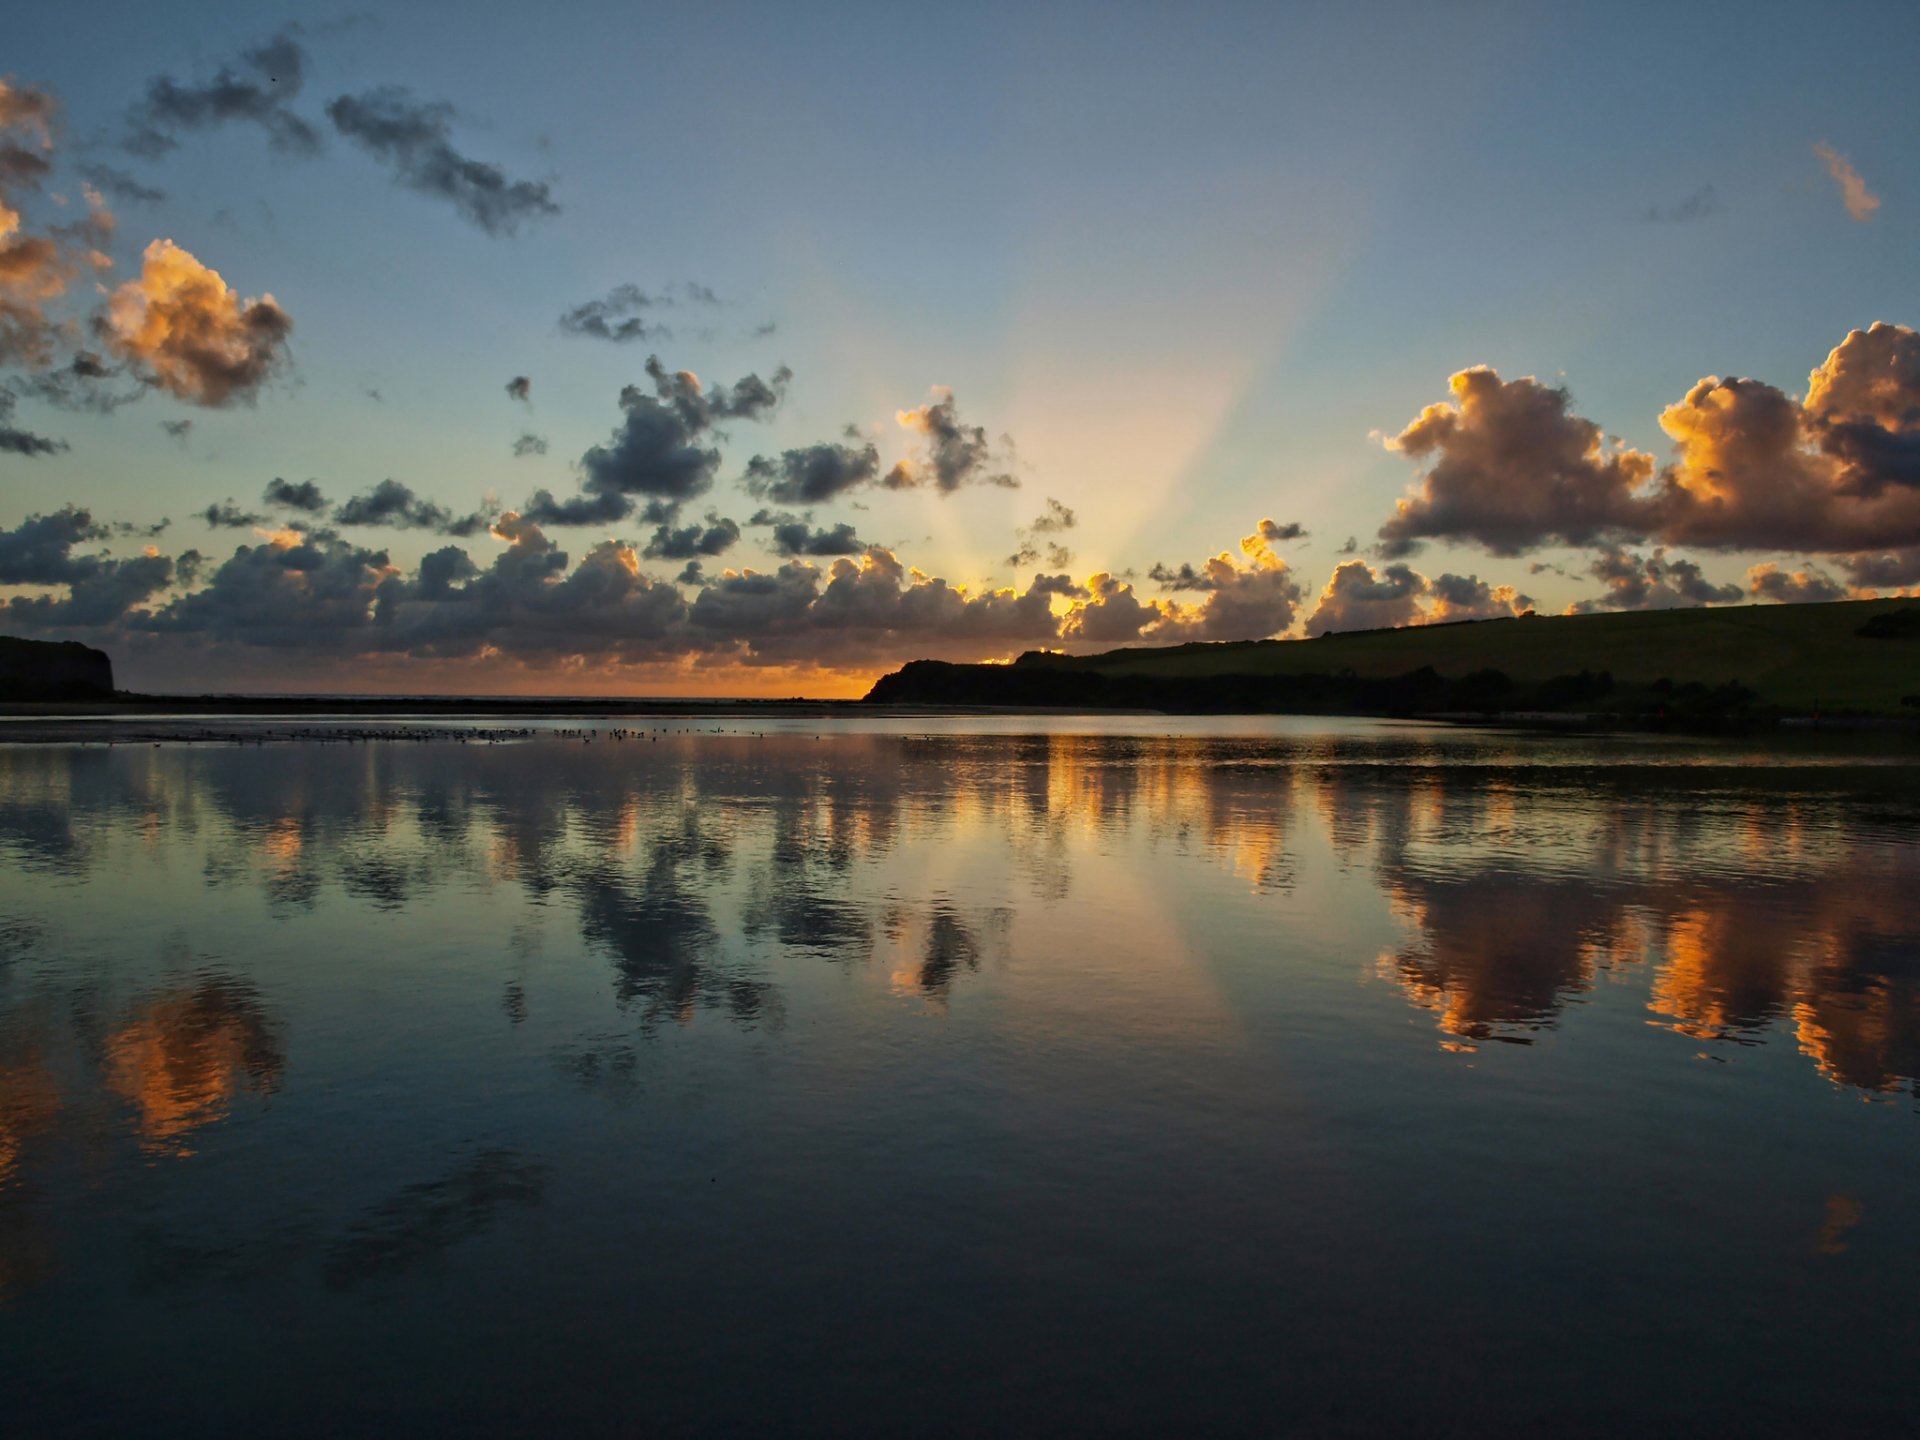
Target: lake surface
x=979 y=1076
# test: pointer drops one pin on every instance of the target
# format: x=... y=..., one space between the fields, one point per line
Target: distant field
x=1794 y=657
x=1691 y=665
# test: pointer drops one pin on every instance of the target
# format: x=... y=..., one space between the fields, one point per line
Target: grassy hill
x=1845 y=657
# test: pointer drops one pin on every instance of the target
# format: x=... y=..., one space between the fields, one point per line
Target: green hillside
x=1790 y=658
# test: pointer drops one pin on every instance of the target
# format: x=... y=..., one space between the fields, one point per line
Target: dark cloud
x=601 y=509
x=414 y=138
x=797 y=537
x=529 y=444
x=1035 y=542
x=957 y=454
x=520 y=388
x=15 y=441
x=1770 y=582
x=255 y=89
x=122 y=186
x=177 y=429
x=621 y=315
x=225 y=515
x=1697 y=206
x=100 y=589
x=1468 y=597
x=1352 y=547
x=1061 y=585
x=655 y=454
x=716 y=537
x=813 y=473
x=302 y=495
x=394 y=505
x=1651 y=582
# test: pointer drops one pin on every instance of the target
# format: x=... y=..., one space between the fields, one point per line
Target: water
x=960 y=1077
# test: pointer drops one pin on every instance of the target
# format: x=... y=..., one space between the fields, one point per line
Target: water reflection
x=1750 y=906
x=722 y=1017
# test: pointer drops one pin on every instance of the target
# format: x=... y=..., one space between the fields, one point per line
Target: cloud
x=1651 y=582
x=225 y=515
x=36 y=269
x=1035 y=542
x=100 y=589
x=122 y=186
x=620 y=315
x=796 y=537
x=1697 y=206
x=1753 y=467
x=394 y=505
x=1358 y=599
x=1513 y=467
x=414 y=138
x=813 y=473
x=529 y=444
x=1111 y=614
x=1770 y=582
x=655 y=453
x=15 y=441
x=190 y=334
x=957 y=454
x=1861 y=202
x=177 y=429
x=1468 y=597
x=302 y=495
x=255 y=89
x=520 y=388
x=716 y=537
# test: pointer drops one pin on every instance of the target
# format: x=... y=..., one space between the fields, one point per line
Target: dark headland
x=1835 y=659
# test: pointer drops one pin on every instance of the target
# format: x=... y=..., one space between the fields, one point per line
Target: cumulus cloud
x=956 y=453
x=1753 y=468
x=394 y=505
x=1770 y=582
x=689 y=542
x=1036 y=542
x=1512 y=467
x=1651 y=582
x=415 y=140
x=529 y=444
x=1356 y=598
x=813 y=473
x=520 y=388
x=1861 y=202
x=190 y=334
x=1468 y=597
x=301 y=495
x=655 y=454
x=255 y=89
x=99 y=588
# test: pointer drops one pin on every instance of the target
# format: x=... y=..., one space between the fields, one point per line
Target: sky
x=757 y=349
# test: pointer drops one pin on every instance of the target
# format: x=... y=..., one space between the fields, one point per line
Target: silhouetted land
x=1848 y=658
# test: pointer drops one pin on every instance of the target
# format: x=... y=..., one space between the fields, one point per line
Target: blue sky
x=1193 y=264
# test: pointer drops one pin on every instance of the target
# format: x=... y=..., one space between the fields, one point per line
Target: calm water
x=1311 y=1075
